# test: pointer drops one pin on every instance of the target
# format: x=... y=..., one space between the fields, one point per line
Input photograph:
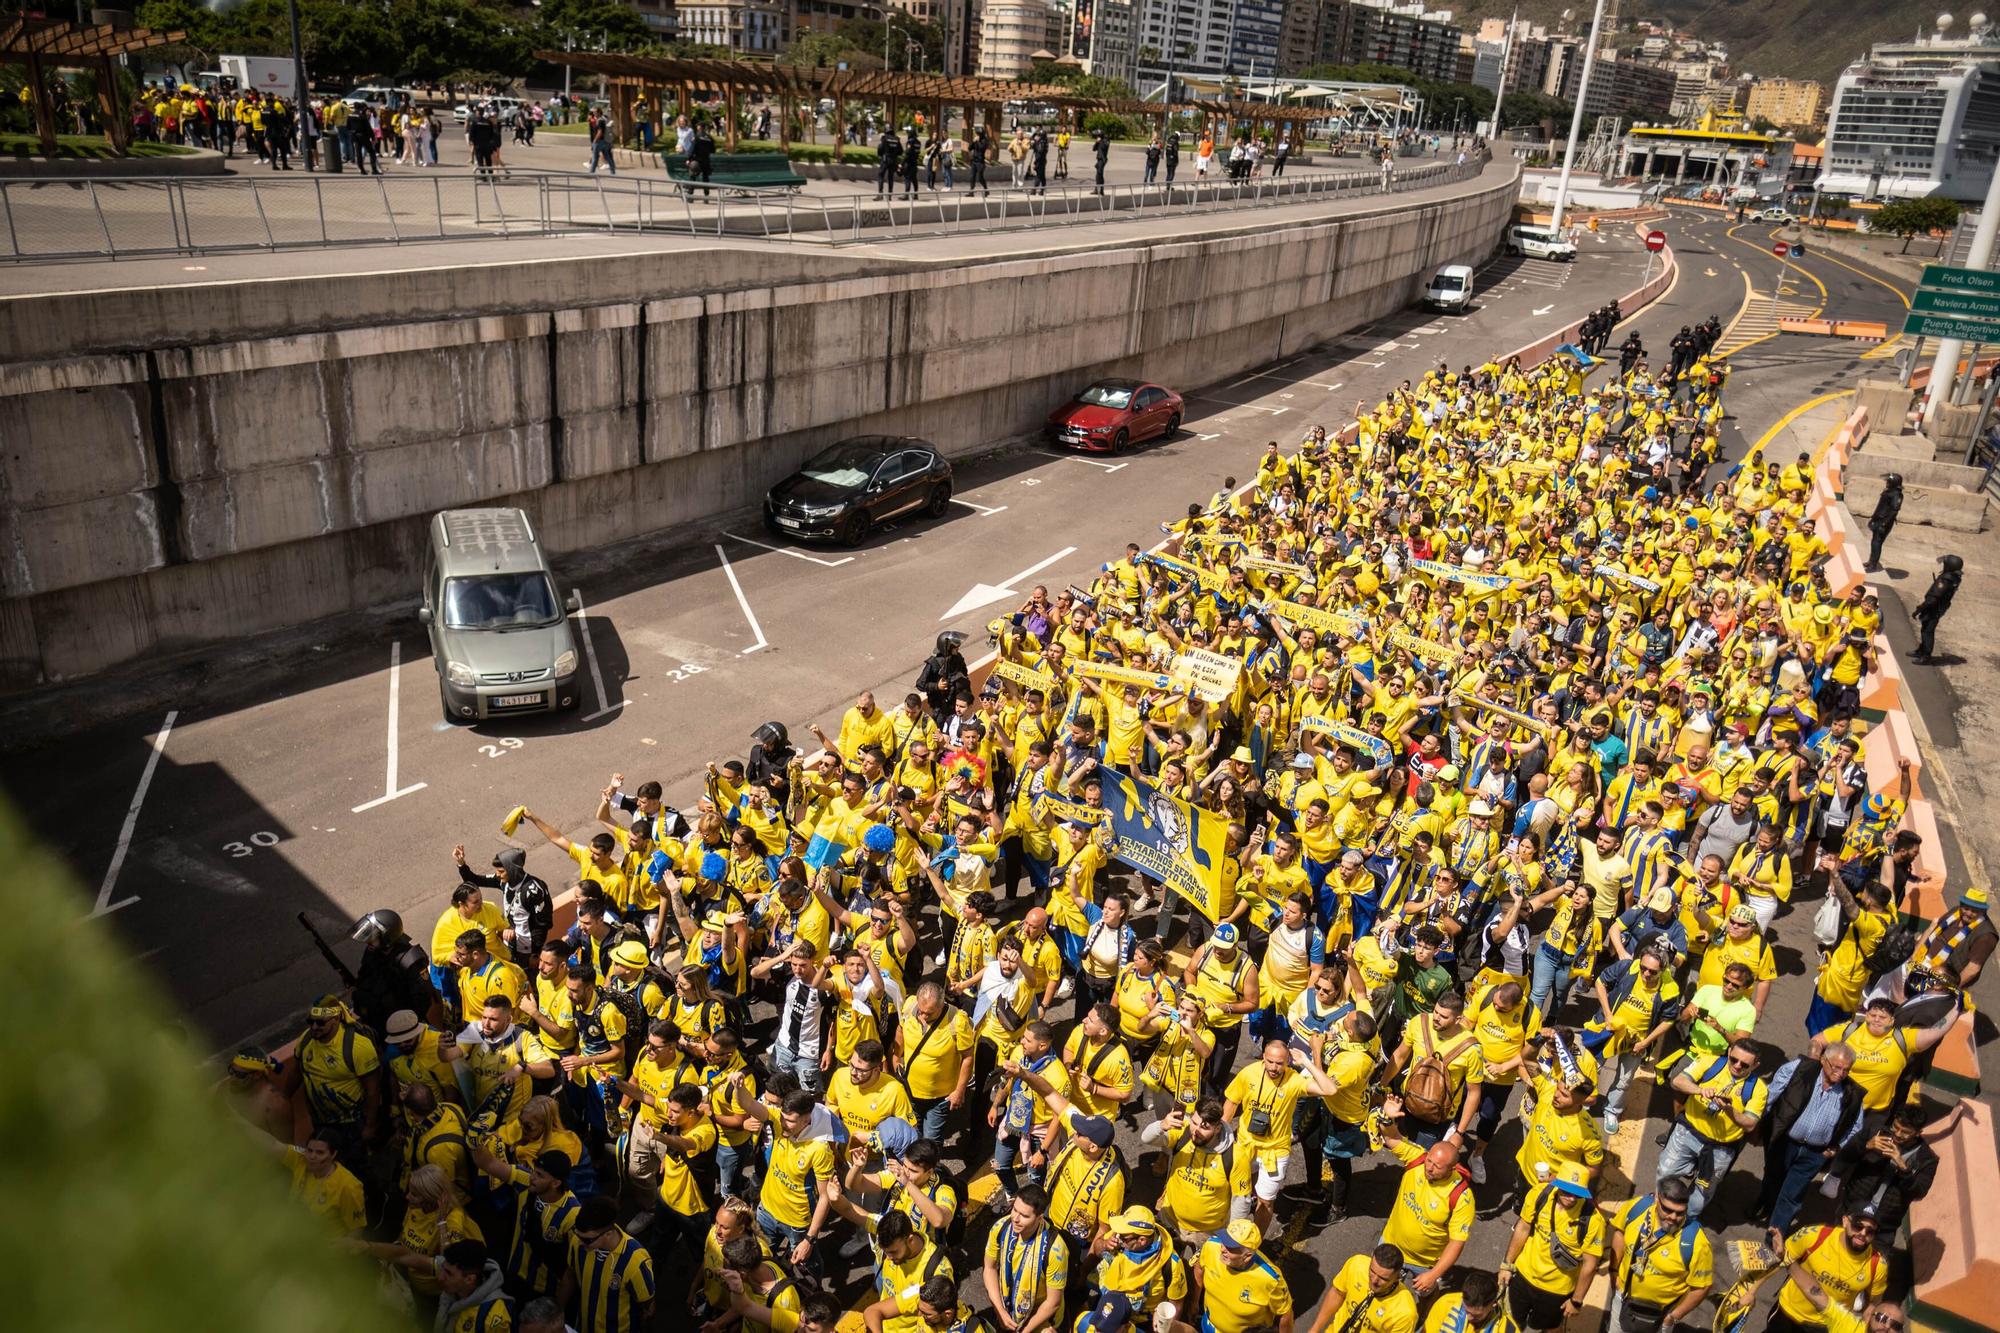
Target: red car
x=1112 y=414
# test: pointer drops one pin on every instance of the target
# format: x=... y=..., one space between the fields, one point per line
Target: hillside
x=1799 y=39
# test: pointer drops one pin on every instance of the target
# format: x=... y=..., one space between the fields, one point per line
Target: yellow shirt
x=1145 y=1282
x=1260 y=1100
x=1555 y=1137
x=1427 y=1216
x=1713 y=1078
x=1137 y=996
x=453 y=923
x=932 y=1056
x=1558 y=1240
x=1235 y=1301
x=1107 y=1064
x=1395 y=1313
x=1661 y=1266
x=862 y=1109
x=1878 y=1061
x=1845 y=973
x=1202 y=1182
x=1083 y=1193
x=498 y=977
x=425 y=1234
x=332 y=1072
x=793 y=1163
x=1029 y=1269
x=678 y=1188
x=901 y=1282
x=611 y=1284
x=1447 y=1315
x=335 y=1196
x=1840 y=1272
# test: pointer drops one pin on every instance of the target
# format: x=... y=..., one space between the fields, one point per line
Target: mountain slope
x=1797 y=39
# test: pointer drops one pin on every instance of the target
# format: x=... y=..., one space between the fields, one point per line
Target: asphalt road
x=317 y=780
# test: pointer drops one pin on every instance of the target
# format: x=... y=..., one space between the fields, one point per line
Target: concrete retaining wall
x=157 y=493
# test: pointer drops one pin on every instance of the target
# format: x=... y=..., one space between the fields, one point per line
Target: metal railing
x=123 y=218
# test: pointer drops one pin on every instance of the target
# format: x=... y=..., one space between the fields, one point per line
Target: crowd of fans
x=1525 y=746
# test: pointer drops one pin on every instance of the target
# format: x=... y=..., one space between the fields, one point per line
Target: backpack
x=1893 y=950
x=1427 y=1087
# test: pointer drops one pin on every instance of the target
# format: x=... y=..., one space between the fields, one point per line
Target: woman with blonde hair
x=433 y=1218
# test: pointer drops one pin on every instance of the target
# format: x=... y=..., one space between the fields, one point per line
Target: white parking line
x=604 y=705
x=1087 y=462
x=742 y=601
x=389 y=789
x=104 y=904
x=786 y=550
x=984 y=510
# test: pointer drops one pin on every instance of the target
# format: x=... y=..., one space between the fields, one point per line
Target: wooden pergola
x=628 y=77
x=45 y=45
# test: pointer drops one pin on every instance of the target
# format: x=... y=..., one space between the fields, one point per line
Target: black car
x=851 y=486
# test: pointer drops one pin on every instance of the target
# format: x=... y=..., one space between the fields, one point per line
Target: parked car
x=503 y=108
x=1450 y=288
x=849 y=487
x=1114 y=414
x=1540 y=242
x=500 y=637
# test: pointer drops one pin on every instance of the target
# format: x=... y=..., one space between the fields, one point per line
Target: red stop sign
x=1781 y=249
x=1656 y=240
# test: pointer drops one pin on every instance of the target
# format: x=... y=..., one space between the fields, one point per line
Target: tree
x=1910 y=218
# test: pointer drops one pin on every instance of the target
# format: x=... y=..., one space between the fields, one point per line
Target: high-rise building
x=1219 y=37
x=1012 y=31
x=1789 y=103
x=1913 y=119
x=1629 y=88
x=959 y=22
x=1357 y=32
x=659 y=16
x=1103 y=35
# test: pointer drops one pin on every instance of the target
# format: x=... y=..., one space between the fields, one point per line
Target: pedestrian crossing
x=1759 y=319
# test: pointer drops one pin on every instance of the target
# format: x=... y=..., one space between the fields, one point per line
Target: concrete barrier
x=1957 y=1275
x=177 y=453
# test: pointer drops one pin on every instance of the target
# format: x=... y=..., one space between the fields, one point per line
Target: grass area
x=83 y=148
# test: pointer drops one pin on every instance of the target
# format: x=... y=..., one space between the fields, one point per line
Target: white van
x=1540 y=242
x=1450 y=288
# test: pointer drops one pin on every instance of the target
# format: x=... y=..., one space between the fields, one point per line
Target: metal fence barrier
x=124 y=218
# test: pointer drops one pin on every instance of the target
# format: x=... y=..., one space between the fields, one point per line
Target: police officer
x=395 y=972
x=1937 y=601
x=1880 y=523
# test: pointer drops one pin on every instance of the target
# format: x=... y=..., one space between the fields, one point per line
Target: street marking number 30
x=261 y=838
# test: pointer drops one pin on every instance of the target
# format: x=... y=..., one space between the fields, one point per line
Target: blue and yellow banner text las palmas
x=1024 y=676
x=1472 y=578
x=1352 y=737
x=1155 y=832
x=1313 y=617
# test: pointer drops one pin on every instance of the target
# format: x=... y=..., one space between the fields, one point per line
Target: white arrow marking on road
x=1543 y=310
x=104 y=903
x=1708 y=273
x=985 y=594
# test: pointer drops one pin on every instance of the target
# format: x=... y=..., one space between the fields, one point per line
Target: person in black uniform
x=1880 y=523
x=395 y=972
x=888 y=156
x=1937 y=601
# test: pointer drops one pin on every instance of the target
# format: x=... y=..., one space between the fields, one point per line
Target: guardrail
x=122 y=218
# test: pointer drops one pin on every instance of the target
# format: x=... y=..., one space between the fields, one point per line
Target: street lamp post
x=1576 y=116
x=1506 y=50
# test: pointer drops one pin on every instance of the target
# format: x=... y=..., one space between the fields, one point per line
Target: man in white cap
x=1237 y=1287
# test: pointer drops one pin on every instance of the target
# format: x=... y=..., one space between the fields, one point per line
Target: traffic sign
x=1780 y=249
x=1656 y=240
x=1925 y=325
x=1960 y=279
x=1961 y=304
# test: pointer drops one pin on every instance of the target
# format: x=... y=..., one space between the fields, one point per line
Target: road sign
x=1656 y=240
x=1960 y=279
x=1960 y=304
x=1951 y=326
x=1780 y=249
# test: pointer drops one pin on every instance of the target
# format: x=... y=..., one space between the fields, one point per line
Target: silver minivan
x=500 y=635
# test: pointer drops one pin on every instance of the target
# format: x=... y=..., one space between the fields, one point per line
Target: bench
x=1957 y=1275
x=740 y=172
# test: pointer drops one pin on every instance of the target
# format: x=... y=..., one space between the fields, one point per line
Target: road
x=319 y=780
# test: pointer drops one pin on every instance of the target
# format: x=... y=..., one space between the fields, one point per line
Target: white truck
x=262 y=74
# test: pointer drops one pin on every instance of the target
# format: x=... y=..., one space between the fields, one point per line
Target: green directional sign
x=1963 y=304
x=1951 y=326
x=1950 y=279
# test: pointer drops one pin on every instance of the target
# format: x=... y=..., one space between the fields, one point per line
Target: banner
x=1471 y=578
x=1442 y=653
x=1211 y=675
x=1047 y=809
x=1026 y=677
x=1519 y=719
x=1352 y=737
x=1149 y=680
x=1275 y=566
x=1206 y=578
x=1325 y=622
x=1629 y=579
x=1180 y=845
x=1213 y=540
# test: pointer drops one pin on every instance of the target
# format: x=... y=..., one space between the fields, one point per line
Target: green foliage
x=1111 y=123
x=1909 y=218
x=150 y=1210
x=853 y=156
x=79 y=147
x=1527 y=108
x=1079 y=84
